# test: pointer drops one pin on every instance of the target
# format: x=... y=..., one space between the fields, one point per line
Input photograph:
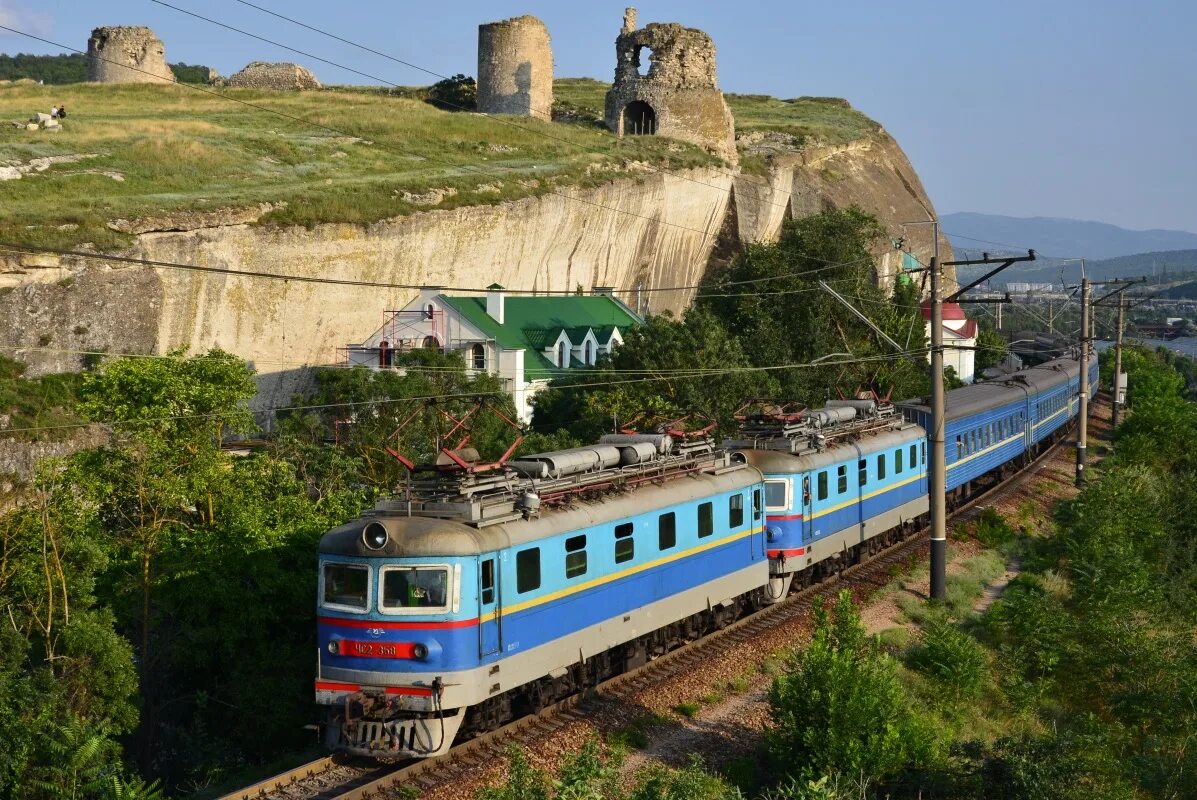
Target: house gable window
x=478 y=356
x=562 y=354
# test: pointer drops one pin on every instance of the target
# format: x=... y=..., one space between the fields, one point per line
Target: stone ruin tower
x=678 y=96
x=515 y=68
x=126 y=55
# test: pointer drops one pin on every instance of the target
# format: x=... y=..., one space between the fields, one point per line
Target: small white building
x=959 y=339
x=527 y=340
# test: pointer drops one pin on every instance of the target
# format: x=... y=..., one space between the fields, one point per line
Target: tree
x=991 y=347
x=458 y=93
x=770 y=296
x=152 y=485
x=664 y=368
x=839 y=708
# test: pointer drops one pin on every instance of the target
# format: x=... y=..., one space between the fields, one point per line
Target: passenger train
x=485 y=592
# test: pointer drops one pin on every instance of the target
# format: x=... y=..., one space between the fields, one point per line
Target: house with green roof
x=527 y=340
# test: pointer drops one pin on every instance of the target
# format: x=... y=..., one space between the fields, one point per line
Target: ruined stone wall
x=126 y=55
x=515 y=68
x=282 y=77
x=680 y=85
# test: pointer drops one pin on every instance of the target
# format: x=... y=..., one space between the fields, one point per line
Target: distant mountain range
x=1061 y=238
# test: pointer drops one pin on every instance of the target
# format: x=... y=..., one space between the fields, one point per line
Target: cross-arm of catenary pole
x=1122 y=283
x=880 y=333
x=1002 y=263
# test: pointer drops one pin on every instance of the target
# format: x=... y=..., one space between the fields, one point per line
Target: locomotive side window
x=666 y=531
x=757 y=508
x=575 y=556
x=527 y=570
x=735 y=511
x=923 y=451
x=881 y=466
x=488 y=581
x=414 y=587
x=862 y=472
x=823 y=485
x=625 y=545
x=346 y=587
x=775 y=496
x=897 y=461
x=914 y=455
x=841 y=479
x=706 y=520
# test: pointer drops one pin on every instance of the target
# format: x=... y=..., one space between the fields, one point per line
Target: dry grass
x=178 y=149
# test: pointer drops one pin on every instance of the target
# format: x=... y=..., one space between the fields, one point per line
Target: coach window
x=575 y=556
x=841 y=479
x=881 y=466
x=706 y=520
x=823 y=485
x=898 y=461
x=666 y=531
x=625 y=545
x=775 y=496
x=527 y=570
x=757 y=508
x=959 y=445
x=735 y=511
x=346 y=587
x=862 y=472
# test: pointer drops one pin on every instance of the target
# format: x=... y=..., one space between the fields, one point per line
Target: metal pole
x=936 y=479
x=1082 y=426
x=1118 y=360
x=999 y=315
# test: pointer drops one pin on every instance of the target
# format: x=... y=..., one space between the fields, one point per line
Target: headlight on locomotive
x=375 y=536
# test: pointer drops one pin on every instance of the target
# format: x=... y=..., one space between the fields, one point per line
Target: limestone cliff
x=648 y=231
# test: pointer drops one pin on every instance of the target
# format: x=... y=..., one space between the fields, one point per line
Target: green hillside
x=72 y=68
x=143 y=150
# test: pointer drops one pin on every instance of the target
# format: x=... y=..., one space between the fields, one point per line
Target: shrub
x=459 y=93
x=840 y=708
x=992 y=530
x=953 y=657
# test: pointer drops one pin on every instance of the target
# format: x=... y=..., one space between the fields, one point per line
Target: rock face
x=515 y=68
x=678 y=96
x=275 y=77
x=127 y=55
x=874 y=174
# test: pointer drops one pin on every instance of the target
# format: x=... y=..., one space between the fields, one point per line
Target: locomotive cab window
x=666 y=531
x=625 y=545
x=706 y=520
x=415 y=587
x=775 y=495
x=527 y=570
x=735 y=511
x=346 y=587
x=488 y=581
x=757 y=507
x=575 y=556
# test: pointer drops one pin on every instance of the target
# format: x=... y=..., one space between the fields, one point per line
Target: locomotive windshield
x=414 y=587
x=346 y=586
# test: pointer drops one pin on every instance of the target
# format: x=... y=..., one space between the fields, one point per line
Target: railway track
x=331 y=778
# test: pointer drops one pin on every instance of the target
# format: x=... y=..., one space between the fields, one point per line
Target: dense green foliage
x=72 y=68
x=757 y=330
x=840 y=709
x=44 y=405
x=457 y=93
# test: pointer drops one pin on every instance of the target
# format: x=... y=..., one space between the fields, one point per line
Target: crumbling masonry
x=127 y=55
x=515 y=68
x=678 y=96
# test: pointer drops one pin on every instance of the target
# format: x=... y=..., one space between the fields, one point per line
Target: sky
x=1084 y=109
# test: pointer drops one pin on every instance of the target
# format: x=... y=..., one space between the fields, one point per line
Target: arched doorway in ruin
x=639 y=118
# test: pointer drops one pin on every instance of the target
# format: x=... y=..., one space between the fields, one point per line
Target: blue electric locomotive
x=479 y=596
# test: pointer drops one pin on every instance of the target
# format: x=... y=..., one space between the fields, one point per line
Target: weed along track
x=333 y=778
